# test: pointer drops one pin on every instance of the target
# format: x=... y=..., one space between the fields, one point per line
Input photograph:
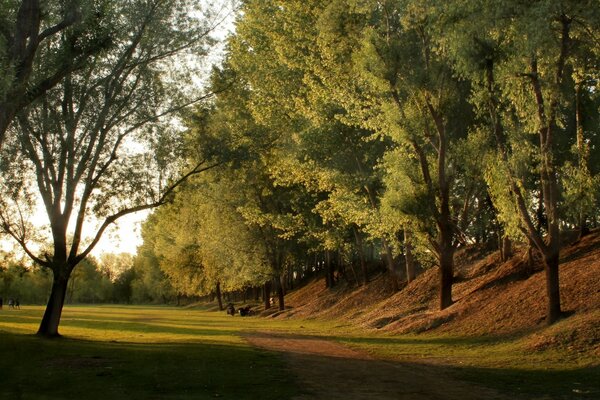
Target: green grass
x=140 y=352
x=111 y=352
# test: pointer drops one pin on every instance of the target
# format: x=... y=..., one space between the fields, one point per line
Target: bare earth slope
x=491 y=298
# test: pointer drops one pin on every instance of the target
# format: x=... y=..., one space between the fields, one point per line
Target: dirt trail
x=329 y=370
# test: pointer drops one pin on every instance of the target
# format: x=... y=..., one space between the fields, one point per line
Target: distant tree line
x=112 y=279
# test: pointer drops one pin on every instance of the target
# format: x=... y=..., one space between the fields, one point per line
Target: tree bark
x=391 y=266
x=408 y=255
x=446 y=276
x=51 y=319
x=280 y=293
x=551 y=262
x=267 y=295
x=582 y=151
x=219 y=297
x=361 y=256
x=329 y=272
x=506 y=250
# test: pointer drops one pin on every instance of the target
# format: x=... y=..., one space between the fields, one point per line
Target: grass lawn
x=140 y=352
x=112 y=352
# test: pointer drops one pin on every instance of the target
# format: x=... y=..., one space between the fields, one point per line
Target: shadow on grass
x=34 y=368
x=528 y=383
x=572 y=384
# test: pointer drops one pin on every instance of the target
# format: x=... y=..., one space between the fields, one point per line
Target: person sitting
x=230 y=309
x=244 y=311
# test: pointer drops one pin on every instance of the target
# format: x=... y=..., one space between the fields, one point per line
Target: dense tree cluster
x=350 y=136
x=111 y=279
x=354 y=132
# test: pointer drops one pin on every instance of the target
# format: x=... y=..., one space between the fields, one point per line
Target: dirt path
x=329 y=370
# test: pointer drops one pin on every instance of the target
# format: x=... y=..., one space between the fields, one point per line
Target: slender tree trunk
x=391 y=266
x=219 y=295
x=267 y=295
x=256 y=293
x=280 y=293
x=329 y=279
x=361 y=256
x=582 y=151
x=410 y=259
x=51 y=319
x=505 y=248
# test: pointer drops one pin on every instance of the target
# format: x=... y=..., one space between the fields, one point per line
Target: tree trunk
x=582 y=151
x=51 y=319
x=280 y=293
x=267 y=295
x=219 y=296
x=408 y=255
x=506 y=250
x=551 y=262
x=361 y=255
x=446 y=277
x=389 y=261
x=329 y=279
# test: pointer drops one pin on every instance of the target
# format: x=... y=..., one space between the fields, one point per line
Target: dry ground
x=492 y=298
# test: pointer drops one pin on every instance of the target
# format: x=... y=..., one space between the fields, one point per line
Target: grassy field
x=130 y=352
x=111 y=352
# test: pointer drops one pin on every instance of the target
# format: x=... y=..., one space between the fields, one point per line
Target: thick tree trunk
x=551 y=262
x=267 y=295
x=446 y=277
x=408 y=255
x=51 y=319
x=219 y=297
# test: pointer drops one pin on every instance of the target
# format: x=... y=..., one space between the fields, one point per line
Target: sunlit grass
x=136 y=353
x=128 y=352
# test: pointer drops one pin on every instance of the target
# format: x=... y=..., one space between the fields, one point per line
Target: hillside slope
x=491 y=298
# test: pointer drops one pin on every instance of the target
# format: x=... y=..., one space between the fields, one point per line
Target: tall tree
x=521 y=59
x=101 y=144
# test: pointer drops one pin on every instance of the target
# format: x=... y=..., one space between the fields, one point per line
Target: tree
x=101 y=143
x=521 y=60
x=41 y=43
